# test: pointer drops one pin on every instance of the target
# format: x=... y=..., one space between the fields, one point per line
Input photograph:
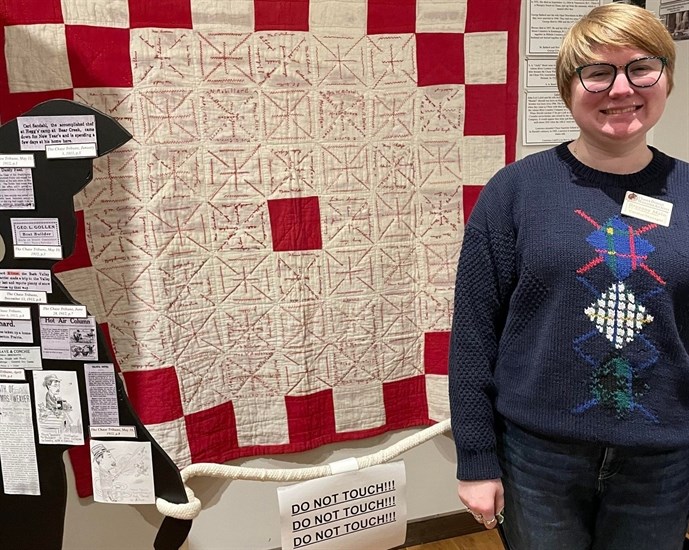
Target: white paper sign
x=121 y=432
x=71 y=151
x=36 y=238
x=122 y=472
x=15 y=313
x=17 y=443
x=23 y=296
x=12 y=374
x=58 y=408
x=16 y=189
x=549 y=20
x=101 y=394
x=68 y=338
x=17 y=161
x=16 y=331
x=366 y=509
x=547 y=119
x=26 y=279
x=61 y=310
x=36 y=132
x=28 y=358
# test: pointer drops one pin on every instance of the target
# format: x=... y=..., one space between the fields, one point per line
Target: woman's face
x=623 y=113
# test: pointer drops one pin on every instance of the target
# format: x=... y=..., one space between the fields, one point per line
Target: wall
x=244 y=515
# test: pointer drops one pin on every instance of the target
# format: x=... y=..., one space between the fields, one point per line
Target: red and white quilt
x=273 y=254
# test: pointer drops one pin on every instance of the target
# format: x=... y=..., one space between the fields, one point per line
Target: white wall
x=244 y=515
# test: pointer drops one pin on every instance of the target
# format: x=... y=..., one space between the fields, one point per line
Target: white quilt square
x=24 y=44
x=487 y=155
x=172 y=436
x=98 y=13
x=347 y=17
x=485 y=58
x=439 y=16
x=358 y=407
x=261 y=421
x=232 y=16
x=437 y=397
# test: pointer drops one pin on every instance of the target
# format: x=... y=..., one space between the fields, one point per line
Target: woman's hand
x=485 y=499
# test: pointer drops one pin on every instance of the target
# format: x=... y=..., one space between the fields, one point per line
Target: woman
x=569 y=373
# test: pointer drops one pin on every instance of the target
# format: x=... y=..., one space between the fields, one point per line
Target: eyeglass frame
x=663 y=59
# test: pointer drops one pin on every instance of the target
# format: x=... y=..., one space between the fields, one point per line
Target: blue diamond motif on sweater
x=619 y=246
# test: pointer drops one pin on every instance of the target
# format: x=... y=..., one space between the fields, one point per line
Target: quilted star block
x=98 y=56
x=169 y=14
x=391 y=16
x=440 y=58
x=283 y=15
x=295 y=224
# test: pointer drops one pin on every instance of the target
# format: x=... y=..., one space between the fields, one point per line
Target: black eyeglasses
x=643 y=72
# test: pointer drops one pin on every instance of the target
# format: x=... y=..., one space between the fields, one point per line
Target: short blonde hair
x=612 y=25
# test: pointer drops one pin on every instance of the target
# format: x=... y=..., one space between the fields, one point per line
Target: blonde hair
x=612 y=25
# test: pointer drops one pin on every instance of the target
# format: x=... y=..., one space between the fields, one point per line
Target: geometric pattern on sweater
x=618 y=314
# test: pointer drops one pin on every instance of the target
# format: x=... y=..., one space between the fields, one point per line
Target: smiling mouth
x=621 y=111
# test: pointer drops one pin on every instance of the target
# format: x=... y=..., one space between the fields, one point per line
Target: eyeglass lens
x=641 y=73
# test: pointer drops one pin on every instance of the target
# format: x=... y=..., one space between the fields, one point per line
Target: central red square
x=436 y=348
x=98 y=57
x=281 y=15
x=168 y=14
x=391 y=16
x=295 y=224
x=440 y=58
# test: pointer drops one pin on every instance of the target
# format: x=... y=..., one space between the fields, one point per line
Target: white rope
x=192 y=508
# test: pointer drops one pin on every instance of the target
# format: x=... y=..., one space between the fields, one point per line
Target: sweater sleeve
x=486 y=276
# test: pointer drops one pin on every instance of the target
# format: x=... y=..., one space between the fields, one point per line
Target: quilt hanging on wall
x=273 y=254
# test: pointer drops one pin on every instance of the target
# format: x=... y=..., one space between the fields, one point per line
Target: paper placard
x=15 y=313
x=102 y=432
x=35 y=132
x=17 y=443
x=61 y=310
x=45 y=252
x=122 y=472
x=647 y=208
x=68 y=338
x=24 y=297
x=16 y=331
x=26 y=279
x=58 y=408
x=16 y=189
x=17 y=161
x=101 y=394
x=28 y=358
x=366 y=509
x=12 y=374
x=71 y=151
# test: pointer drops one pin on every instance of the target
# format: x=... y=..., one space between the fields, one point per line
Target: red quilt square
x=154 y=395
x=486 y=110
x=80 y=256
x=405 y=402
x=490 y=15
x=98 y=56
x=281 y=15
x=310 y=419
x=435 y=352
x=25 y=12
x=440 y=58
x=212 y=433
x=80 y=458
x=173 y=14
x=391 y=16
x=295 y=224
x=18 y=104
x=470 y=195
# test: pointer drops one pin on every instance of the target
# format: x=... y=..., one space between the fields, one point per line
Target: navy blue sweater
x=570 y=319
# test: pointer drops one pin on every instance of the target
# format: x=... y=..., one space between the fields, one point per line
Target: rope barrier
x=192 y=508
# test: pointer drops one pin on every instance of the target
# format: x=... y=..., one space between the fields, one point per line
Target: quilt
x=272 y=257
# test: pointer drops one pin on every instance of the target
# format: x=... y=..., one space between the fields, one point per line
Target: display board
x=58 y=383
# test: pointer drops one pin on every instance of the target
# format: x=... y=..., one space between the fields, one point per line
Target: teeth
x=620 y=111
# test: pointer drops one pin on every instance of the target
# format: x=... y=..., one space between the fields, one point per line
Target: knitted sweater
x=570 y=319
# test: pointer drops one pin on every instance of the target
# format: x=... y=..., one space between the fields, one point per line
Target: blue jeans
x=573 y=496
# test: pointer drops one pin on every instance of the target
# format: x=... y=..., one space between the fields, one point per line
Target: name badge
x=647 y=208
